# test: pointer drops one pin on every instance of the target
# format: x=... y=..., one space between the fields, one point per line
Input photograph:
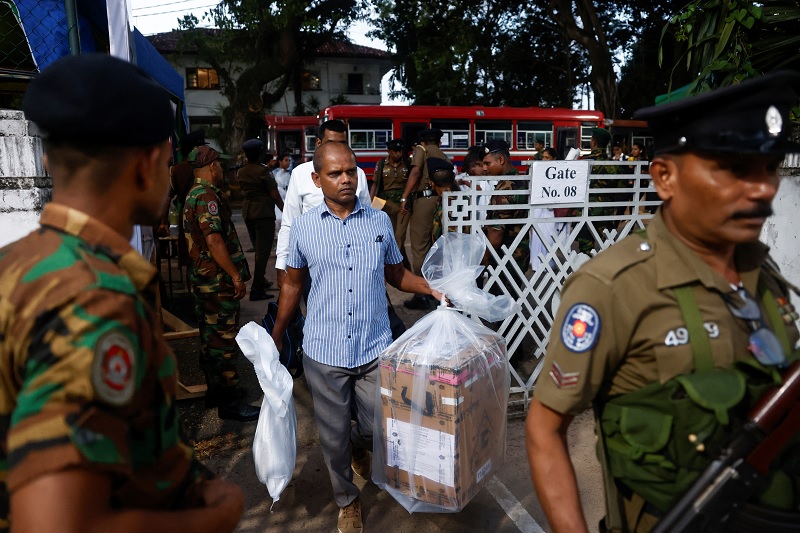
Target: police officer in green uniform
x=389 y=180
x=217 y=272
x=649 y=330
x=261 y=196
x=418 y=206
x=88 y=418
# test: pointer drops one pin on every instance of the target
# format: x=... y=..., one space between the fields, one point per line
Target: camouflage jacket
x=207 y=211
x=86 y=378
x=522 y=253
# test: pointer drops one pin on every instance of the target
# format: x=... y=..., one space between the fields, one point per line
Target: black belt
x=427 y=193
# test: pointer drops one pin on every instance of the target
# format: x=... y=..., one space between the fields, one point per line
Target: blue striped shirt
x=347 y=324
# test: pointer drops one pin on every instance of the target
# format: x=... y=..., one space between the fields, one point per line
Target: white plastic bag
x=452 y=267
x=440 y=421
x=275 y=441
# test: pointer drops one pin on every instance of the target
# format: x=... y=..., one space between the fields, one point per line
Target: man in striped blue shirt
x=348 y=249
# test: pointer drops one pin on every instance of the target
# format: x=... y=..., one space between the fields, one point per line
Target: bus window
x=410 y=133
x=528 y=131
x=455 y=133
x=311 y=140
x=369 y=134
x=566 y=138
x=586 y=135
x=486 y=130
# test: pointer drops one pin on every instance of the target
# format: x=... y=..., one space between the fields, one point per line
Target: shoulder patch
x=213 y=208
x=114 y=368
x=581 y=328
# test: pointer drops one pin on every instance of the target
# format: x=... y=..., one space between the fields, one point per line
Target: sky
x=159 y=16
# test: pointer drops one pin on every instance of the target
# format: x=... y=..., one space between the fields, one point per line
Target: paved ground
x=507 y=504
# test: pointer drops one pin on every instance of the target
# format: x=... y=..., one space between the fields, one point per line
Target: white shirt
x=282 y=179
x=301 y=196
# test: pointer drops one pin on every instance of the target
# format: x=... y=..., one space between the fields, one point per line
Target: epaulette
x=630 y=251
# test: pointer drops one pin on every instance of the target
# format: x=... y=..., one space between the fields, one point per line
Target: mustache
x=763 y=210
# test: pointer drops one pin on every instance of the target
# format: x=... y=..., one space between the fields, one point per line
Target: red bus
x=371 y=126
x=296 y=135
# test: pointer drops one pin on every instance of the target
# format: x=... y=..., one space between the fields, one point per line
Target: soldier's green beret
x=601 y=136
x=99 y=99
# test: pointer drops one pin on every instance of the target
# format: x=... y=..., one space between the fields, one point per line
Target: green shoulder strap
x=774 y=316
x=698 y=337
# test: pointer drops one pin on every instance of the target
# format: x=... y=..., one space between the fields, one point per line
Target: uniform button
x=645 y=247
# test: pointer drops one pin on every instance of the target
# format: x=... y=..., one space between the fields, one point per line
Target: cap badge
x=774 y=121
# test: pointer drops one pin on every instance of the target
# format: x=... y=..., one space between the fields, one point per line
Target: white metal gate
x=616 y=204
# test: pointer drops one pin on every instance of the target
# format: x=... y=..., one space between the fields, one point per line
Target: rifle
x=731 y=479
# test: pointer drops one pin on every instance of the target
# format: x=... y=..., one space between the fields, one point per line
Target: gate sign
x=559 y=182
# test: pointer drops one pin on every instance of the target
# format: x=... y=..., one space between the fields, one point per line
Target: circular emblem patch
x=213 y=208
x=581 y=328
x=113 y=369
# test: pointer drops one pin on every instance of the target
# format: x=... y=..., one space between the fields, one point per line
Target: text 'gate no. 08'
x=559 y=182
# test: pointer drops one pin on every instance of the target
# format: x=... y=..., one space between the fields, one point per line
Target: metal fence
x=616 y=204
x=33 y=33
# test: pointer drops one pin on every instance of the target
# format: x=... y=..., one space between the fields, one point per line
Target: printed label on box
x=482 y=471
x=433 y=454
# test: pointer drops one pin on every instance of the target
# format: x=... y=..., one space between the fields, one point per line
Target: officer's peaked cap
x=495 y=145
x=431 y=132
x=395 y=144
x=252 y=144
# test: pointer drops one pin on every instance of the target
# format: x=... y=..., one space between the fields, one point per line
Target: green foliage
x=727 y=41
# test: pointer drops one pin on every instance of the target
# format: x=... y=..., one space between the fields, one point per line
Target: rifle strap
x=698 y=337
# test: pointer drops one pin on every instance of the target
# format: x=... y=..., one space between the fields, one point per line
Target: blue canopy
x=45 y=25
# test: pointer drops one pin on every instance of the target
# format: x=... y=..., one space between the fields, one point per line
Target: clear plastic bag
x=452 y=267
x=440 y=421
x=275 y=441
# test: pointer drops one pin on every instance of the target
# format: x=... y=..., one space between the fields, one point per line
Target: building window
x=202 y=78
x=311 y=81
x=355 y=84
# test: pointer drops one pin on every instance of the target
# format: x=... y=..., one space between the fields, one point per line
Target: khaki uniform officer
x=648 y=329
x=89 y=438
x=217 y=272
x=390 y=178
x=418 y=218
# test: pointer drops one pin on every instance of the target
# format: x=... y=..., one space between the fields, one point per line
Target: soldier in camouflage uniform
x=599 y=144
x=498 y=163
x=217 y=272
x=88 y=417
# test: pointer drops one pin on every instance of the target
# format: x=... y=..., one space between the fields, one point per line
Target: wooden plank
x=174 y=323
x=174 y=335
x=188 y=392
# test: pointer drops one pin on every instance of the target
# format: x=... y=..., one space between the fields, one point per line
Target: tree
x=259 y=49
x=475 y=52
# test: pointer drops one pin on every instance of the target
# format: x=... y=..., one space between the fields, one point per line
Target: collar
x=326 y=211
x=102 y=239
x=681 y=266
x=204 y=183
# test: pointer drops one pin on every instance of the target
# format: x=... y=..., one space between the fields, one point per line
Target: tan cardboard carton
x=447 y=423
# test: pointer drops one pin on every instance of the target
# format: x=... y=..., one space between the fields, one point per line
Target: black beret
x=194 y=138
x=100 y=99
x=396 y=144
x=495 y=145
x=437 y=163
x=432 y=132
x=751 y=117
x=252 y=144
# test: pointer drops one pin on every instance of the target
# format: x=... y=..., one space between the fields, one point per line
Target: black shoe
x=219 y=395
x=417 y=302
x=236 y=410
x=268 y=285
x=256 y=296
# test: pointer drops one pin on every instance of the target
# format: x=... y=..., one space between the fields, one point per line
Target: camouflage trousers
x=218 y=321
